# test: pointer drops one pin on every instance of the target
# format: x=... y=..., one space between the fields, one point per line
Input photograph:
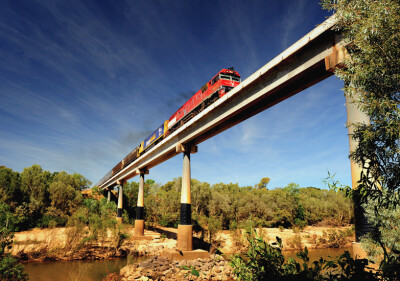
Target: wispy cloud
x=83 y=83
x=293 y=17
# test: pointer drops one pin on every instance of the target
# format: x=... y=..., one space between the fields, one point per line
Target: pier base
x=185 y=238
x=139 y=227
x=185 y=255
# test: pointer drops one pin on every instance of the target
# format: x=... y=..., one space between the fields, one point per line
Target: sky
x=82 y=83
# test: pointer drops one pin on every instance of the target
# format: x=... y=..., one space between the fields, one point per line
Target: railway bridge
x=305 y=63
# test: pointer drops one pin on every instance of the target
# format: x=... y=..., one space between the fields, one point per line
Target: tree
x=34 y=184
x=10 y=269
x=201 y=196
x=64 y=199
x=263 y=183
x=371 y=76
x=80 y=182
x=10 y=186
x=130 y=198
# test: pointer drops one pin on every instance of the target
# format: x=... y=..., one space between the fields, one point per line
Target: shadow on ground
x=197 y=242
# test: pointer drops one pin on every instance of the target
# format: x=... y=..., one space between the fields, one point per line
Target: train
x=220 y=84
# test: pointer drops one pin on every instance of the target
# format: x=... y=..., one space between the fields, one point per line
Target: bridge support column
x=355 y=115
x=139 y=221
x=108 y=195
x=120 y=199
x=362 y=226
x=185 y=227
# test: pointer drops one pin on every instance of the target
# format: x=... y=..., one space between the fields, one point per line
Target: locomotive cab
x=229 y=79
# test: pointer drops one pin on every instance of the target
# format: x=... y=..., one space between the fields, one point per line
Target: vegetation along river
x=97 y=270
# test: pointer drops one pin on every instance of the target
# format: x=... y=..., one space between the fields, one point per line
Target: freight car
x=156 y=136
x=219 y=85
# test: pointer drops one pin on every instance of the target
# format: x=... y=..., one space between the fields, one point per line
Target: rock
x=134 y=265
x=150 y=273
x=136 y=275
x=163 y=268
x=156 y=264
x=168 y=273
x=144 y=263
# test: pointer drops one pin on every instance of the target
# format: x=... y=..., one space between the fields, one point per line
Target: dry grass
x=295 y=242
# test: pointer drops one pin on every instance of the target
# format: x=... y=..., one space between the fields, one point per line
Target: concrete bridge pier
x=185 y=227
x=139 y=221
x=120 y=199
x=108 y=195
x=362 y=226
x=354 y=115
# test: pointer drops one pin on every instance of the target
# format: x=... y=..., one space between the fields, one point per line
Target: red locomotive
x=219 y=85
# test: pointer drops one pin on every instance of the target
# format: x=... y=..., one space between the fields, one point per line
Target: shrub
x=295 y=241
x=266 y=262
x=10 y=269
x=336 y=238
x=313 y=239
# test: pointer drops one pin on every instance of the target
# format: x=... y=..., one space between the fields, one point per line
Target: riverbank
x=39 y=245
x=52 y=244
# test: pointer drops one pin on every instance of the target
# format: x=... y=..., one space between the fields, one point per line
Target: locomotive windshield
x=231 y=77
x=216 y=78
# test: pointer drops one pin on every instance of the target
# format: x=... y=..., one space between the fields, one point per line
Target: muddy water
x=316 y=254
x=97 y=270
x=75 y=270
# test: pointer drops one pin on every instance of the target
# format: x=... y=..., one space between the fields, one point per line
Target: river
x=75 y=270
x=97 y=270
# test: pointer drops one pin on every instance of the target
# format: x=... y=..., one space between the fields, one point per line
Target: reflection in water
x=97 y=270
x=74 y=270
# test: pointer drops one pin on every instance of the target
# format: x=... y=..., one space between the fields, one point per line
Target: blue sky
x=83 y=82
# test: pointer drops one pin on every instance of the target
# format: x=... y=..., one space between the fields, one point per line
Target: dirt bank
x=52 y=244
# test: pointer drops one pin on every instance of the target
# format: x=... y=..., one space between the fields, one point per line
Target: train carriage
x=132 y=156
x=157 y=135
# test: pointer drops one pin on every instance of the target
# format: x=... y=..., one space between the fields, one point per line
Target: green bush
x=97 y=217
x=10 y=269
x=266 y=262
x=51 y=222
